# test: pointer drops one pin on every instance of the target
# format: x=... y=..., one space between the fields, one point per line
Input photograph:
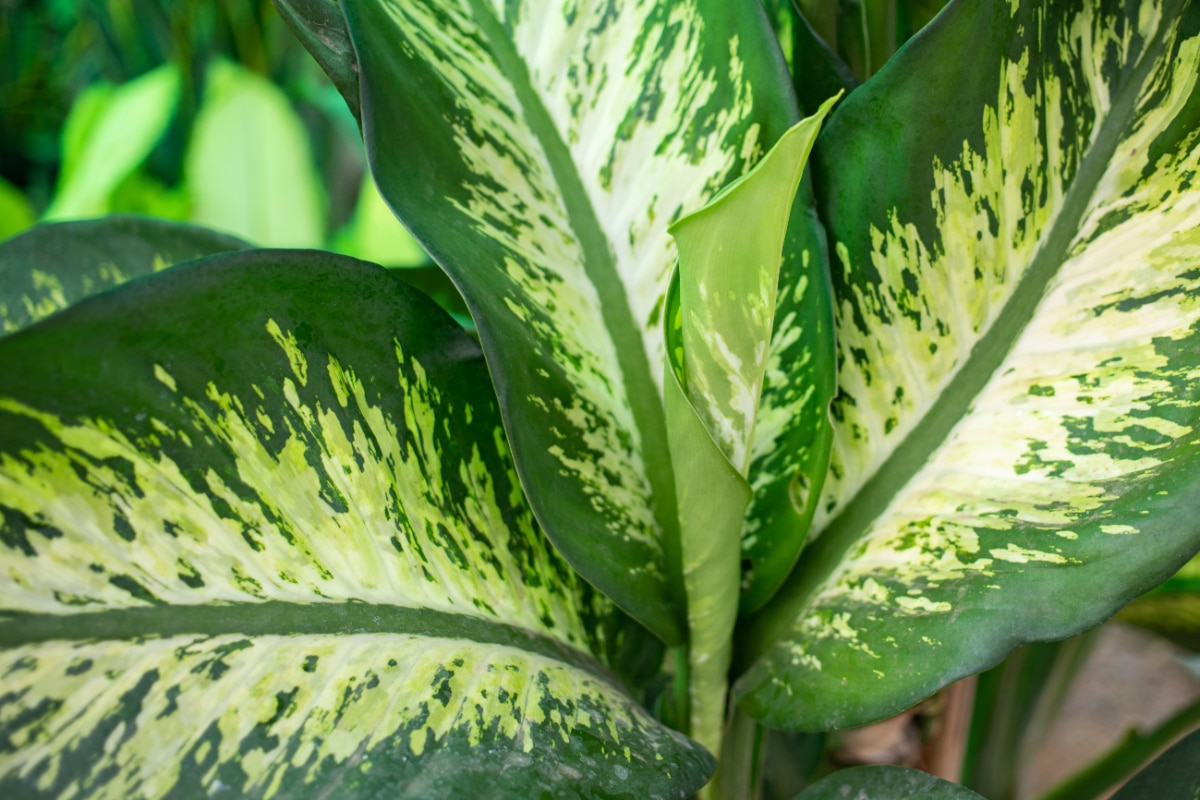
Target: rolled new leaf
x=252 y=549
x=539 y=151
x=1017 y=294
x=721 y=312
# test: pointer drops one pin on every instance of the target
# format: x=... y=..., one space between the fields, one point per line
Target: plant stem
x=739 y=771
x=681 y=690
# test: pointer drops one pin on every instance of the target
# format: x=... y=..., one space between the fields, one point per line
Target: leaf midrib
x=846 y=530
x=278 y=618
x=600 y=266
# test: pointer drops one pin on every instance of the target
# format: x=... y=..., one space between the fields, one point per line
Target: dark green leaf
x=885 y=783
x=319 y=25
x=53 y=266
x=253 y=549
x=1172 y=776
x=1017 y=296
x=109 y=133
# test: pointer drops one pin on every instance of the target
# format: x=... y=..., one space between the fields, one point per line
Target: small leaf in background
x=52 y=266
x=249 y=169
x=108 y=134
x=16 y=214
x=885 y=783
x=288 y=556
x=142 y=193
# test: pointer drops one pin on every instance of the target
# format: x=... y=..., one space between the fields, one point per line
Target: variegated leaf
x=539 y=151
x=1017 y=288
x=50 y=267
x=251 y=549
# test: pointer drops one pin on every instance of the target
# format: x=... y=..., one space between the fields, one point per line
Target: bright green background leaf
x=374 y=233
x=249 y=170
x=109 y=133
x=16 y=214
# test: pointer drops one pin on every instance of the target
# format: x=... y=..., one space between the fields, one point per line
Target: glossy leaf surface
x=538 y=151
x=1017 y=295
x=250 y=548
x=885 y=783
x=50 y=267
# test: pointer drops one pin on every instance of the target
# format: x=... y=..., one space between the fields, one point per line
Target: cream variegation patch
x=262 y=716
x=304 y=503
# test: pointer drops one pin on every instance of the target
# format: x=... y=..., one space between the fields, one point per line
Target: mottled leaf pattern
x=1015 y=437
x=539 y=151
x=251 y=548
x=50 y=267
x=350 y=715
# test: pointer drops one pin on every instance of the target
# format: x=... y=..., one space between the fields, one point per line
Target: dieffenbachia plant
x=254 y=550
x=835 y=438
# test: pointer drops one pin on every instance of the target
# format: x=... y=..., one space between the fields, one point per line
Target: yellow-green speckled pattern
x=377 y=520
x=1084 y=434
x=580 y=131
x=311 y=715
x=994 y=208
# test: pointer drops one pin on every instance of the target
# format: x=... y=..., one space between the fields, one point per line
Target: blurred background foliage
x=208 y=112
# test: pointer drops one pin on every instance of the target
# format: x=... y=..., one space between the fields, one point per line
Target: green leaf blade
x=259 y=480
x=288 y=716
x=530 y=152
x=1016 y=416
x=885 y=783
x=51 y=267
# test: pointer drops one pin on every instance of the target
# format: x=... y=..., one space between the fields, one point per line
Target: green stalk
x=740 y=768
